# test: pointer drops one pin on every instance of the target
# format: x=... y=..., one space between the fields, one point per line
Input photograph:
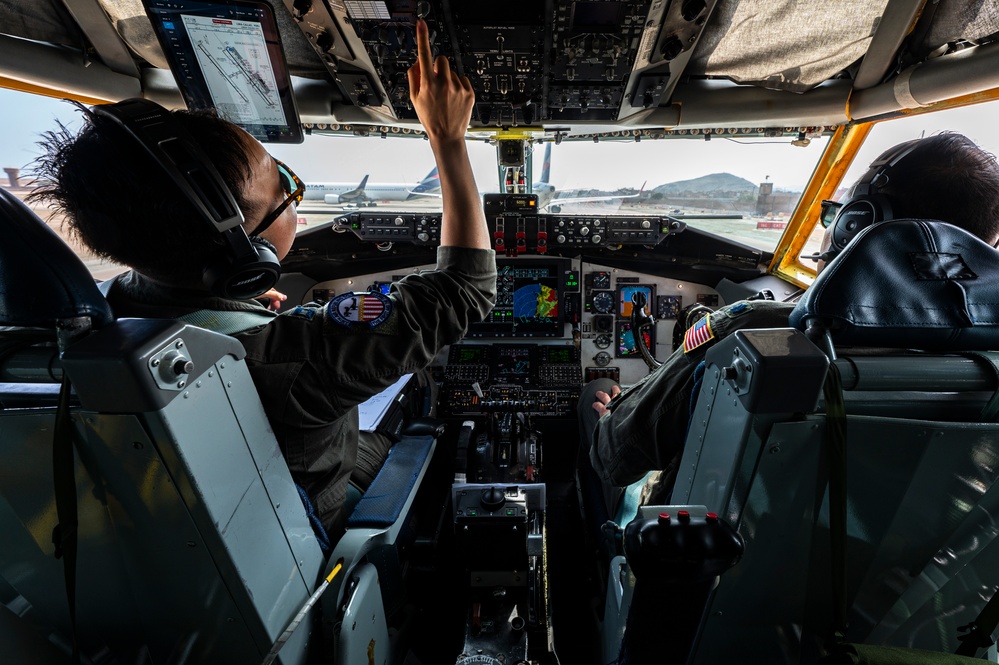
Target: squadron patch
x=698 y=334
x=739 y=308
x=303 y=312
x=350 y=309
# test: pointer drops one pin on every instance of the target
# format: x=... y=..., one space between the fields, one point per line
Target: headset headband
x=249 y=266
x=877 y=175
x=181 y=158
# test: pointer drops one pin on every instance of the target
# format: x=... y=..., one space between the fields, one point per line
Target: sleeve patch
x=740 y=308
x=349 y=309
x=698 y=334
x=303 y=312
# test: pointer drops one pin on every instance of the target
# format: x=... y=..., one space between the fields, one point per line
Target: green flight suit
x=312 y=365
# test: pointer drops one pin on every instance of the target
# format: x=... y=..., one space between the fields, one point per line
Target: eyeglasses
x=294 y=190
x=829 y=211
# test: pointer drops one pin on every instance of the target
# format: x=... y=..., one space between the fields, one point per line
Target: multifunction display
x=530 y=300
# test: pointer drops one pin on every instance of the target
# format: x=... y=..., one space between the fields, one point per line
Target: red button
x=711 y=517
x=683 y=515
x=664 y=518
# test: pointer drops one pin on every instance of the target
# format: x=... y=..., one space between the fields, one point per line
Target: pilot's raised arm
x=353 y=353
x=443 y=101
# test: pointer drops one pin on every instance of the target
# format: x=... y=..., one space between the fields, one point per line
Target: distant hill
x=714 y=183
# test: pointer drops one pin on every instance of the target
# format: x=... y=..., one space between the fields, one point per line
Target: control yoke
x=640 y=320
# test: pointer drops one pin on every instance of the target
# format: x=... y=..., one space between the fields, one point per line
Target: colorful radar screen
x=535 y=302
x=528 y=300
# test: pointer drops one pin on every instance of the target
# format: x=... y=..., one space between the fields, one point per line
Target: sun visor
x=785 y=46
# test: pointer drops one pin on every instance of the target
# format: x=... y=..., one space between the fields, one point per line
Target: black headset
x=249 y=266
x=866 y=205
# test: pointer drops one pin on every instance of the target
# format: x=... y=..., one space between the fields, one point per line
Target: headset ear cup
x=248 y=276
x=856 y=215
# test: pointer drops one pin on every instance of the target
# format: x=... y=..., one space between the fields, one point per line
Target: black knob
x=182 y=366
x=493 y=498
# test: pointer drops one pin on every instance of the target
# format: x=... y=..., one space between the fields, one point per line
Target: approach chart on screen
x=238 y=71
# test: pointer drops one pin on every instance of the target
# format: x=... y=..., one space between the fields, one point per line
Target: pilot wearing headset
x=203 y=215
x=642 y=428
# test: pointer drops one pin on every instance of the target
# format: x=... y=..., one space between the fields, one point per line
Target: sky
x=609 y=165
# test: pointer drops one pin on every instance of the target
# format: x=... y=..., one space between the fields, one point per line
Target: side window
x=975 y=122
x=26 y=118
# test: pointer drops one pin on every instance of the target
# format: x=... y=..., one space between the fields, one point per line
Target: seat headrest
x=908 y=283
x=41 y=279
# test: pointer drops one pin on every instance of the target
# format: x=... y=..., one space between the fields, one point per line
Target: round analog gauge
x=600 y=280
x=603 y=341
x=603 y=302
x=602 y=359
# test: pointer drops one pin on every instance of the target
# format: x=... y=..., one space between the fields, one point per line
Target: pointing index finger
x=423 y=49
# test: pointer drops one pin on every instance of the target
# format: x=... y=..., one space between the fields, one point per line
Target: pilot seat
x=883 y=394
x=188 y=540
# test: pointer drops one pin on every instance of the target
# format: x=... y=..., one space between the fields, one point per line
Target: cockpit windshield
x=741 y=188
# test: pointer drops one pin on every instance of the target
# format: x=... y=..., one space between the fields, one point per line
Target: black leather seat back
x=41 y=280
x=908 y=283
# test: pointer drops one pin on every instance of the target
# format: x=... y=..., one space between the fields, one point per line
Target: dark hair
x=948 y=177
x=118 y=201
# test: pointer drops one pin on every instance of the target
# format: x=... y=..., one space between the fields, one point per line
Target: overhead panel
x=329 y=28
x=529 y=62
x=671 y=32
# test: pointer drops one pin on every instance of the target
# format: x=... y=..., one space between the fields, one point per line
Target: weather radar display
x=529 y=297
x=535 y=302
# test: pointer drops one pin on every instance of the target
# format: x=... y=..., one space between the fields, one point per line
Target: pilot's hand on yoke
x=603 y=399
x=443 y=100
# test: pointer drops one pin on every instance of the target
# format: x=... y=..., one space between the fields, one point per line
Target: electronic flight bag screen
x=227 y=55
x=530 y=300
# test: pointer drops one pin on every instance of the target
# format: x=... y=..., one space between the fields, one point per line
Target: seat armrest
x=424 y=427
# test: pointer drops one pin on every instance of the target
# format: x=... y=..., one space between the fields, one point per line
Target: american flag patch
x=352 y=308
x=698 y=334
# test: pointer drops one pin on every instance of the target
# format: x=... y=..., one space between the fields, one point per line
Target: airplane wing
x=353 y=197
x=559 y=200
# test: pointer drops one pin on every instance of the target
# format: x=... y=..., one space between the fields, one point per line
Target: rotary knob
x=560 y=238
x=493 y=498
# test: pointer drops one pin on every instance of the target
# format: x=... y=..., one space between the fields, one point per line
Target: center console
x=539 y=380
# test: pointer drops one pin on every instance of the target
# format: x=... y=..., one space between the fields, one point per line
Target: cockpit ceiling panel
x=590 y=56
x=43 y=21
x=790 y=45
x=974 y=21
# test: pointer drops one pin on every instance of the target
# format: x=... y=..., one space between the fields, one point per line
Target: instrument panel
x=558 y=323
x=542 y=380
x=516 y=234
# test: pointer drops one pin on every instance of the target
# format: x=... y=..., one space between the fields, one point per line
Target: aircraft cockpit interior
x=641 y=165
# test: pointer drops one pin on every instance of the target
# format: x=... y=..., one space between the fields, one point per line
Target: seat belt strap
x=64 y=535
x=834 y=438
x=226 y=322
